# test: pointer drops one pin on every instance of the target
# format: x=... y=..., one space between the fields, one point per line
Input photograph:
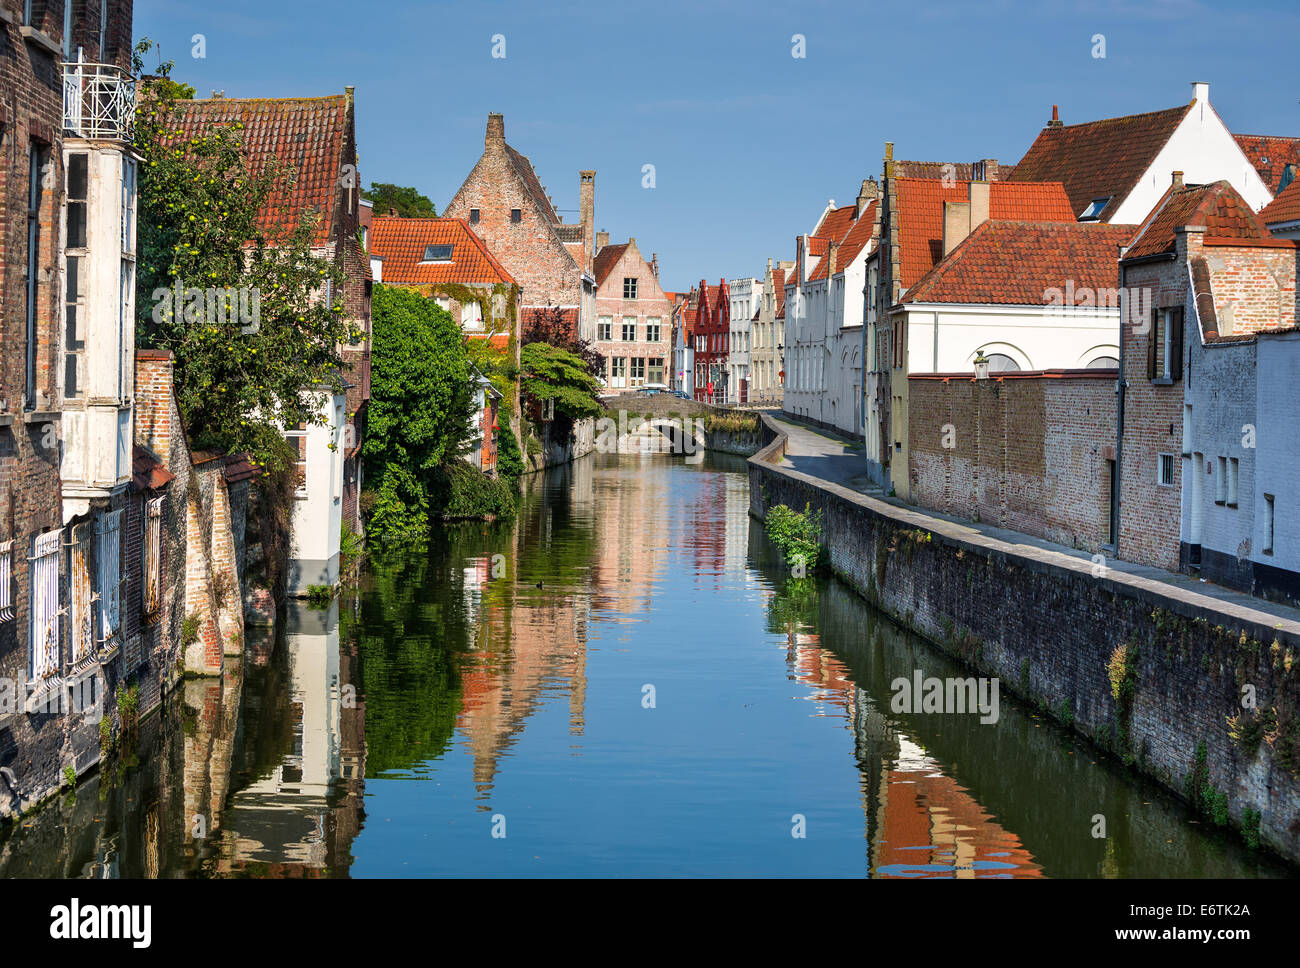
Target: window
x=1165 y=346
x=471 y=317
x=37 y=163
x=108 y=559
x=1001 y=363
x=516 y=215
x=437 y=253
x=1165 y=469
x=103 y=31
x=151 y=564
x=605 y=328
x=473 y=216
x=27 y=12
x=618 y=371
x=1221 y=483
x=652 y=330
x=1094 y=209
x=1233 y=467
x=629 y=329
x=1268 y=524
x=6 y=580
x=656 y=370
x=75 y=339
x=629 y=288
x=443 y=303
x=1104 y=363
x=638 y=370
x=297 y=440
x=128 y=207
x=81 y=613
x=43 y=656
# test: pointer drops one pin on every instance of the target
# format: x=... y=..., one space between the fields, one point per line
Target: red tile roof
x=857 y=234
x=1217 y=206
x=1270 y=154
x=310 y=134
x=606 y=259
x=147 y=471
x=778 y=281
x=1019 y=263
x=920 y=218
x=1099 y=159
x=1284 y=208
x=401 y=242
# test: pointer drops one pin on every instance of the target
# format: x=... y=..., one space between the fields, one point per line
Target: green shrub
x=510 y=463
x=461 y=490
x=796 y=534
x=320 y=596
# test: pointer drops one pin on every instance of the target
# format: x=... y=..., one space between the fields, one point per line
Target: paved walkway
x=819 y=453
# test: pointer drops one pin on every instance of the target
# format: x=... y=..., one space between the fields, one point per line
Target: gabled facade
x=712 y=333
x=767 y=334
x=633 y=318
x=1116 y=169
x=1206 y=449
x=505 y=204
x=684 y=311
x=745 y=293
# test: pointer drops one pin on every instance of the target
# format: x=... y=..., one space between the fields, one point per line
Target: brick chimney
x=1178 y=180
x=587 y=207
x=832 y=255
x=654 y=264
x=1056 y=118
x=496 y=132
x=602 y=240
x=153 y=402
x=870 y=190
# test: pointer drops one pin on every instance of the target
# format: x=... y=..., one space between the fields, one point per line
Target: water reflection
x=625 y=680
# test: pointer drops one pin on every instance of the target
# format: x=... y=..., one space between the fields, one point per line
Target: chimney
x=888 y=167
x=496 y=132
x=587 y=211
x=956 y=223
x=988 y=169
x=1178 y=180
x=1201 y=91
x=654 y=264
x=153 y=402
x=1056 y=118
x=602 y=240
x=870 y=190
x=832 y=252
x=979 y=203
x=801 y=248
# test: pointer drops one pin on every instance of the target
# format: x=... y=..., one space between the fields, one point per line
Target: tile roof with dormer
x=1099 y=159
x=920 y=215
x=401 y=243
x=1019 y=263
x=313 y=135
x=1217 y=206
x=1270 y=155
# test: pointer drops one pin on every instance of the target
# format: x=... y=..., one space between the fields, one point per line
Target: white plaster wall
x=1277 y=454
x=1034 y=337
x=317 y=518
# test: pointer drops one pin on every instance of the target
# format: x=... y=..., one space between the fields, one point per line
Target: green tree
x=406 y=202
x=238 y=304
x=551 y=373
x=420 y=405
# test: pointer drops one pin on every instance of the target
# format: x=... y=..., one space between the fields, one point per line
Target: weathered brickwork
x=1023 y=451
x=1259 y=282
x=650 y=308
x=1049 y=631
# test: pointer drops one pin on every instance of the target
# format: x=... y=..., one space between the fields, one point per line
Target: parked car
x=650 y=389
x=681 y=393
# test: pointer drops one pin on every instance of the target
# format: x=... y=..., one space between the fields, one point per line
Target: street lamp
x=981 y=366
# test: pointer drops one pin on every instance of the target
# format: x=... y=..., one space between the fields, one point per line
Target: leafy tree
x=552 y=325
x=406 y=202
x=420 y=405
x=255 y=345
x=552 y=373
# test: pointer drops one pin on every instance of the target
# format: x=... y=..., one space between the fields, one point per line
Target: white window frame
x=605 y=328
x=300 y=457
x=43 y=653
x=108 y=564
x=6 y=580
x=653 y=330
x=471 y=317
x=151 y=559
x=81 y=594
x=1161 y=460
x=629 y=322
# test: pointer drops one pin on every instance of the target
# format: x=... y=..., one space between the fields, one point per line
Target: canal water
x=625 y=681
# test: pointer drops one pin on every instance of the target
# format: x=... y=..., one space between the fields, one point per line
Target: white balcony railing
x=98 y=101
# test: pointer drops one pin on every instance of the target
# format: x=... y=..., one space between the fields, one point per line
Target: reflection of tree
x=793 y=609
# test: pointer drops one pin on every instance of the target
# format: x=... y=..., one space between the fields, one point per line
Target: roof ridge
x=1123 y=117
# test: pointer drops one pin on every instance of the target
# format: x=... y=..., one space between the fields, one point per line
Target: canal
x=625 y=681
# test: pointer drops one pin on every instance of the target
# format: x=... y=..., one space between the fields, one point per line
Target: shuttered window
x=108 y=555
x=152 y=561
x=81 y=611
x=43 y=655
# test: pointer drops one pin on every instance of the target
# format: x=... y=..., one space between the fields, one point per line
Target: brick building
x=1207 y=453
x=317 y=137
x=633 y=316
x=711 y=331
x=505 y=203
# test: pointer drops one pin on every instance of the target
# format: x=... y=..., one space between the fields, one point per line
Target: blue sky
x=747 y=141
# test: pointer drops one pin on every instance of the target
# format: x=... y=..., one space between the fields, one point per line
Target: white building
x=317 y=519
x=745 y=293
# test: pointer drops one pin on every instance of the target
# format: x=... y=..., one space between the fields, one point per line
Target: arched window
x=1103 y=363
x=1000 y=362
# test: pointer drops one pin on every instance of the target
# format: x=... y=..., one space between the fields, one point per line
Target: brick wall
x=1025 y=451
x=1254 y=286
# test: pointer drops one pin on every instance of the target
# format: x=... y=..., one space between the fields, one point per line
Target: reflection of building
x=300 y=816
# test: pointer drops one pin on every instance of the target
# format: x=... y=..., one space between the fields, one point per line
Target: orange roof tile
x=1098 y=159
x=920 y=219
x=147 y=471
x=1019 y=263
x=309 y=134
x=606 y=259
x=1270 y=154
x=401 y=243
x=1284 y=208
x=1217 y=206
x=857 y=234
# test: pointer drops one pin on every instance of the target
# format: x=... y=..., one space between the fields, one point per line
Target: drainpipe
x=1119 y=409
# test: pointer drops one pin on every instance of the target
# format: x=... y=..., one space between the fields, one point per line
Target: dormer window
x=437 y=253
x=1094 y=209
